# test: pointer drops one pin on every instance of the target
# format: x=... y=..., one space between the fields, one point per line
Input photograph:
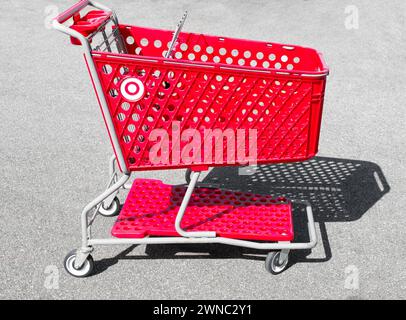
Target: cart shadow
x=340 y=190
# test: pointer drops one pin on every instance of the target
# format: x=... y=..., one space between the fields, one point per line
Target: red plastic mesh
x=213 y=49
x=151 y=208
x=284 y=109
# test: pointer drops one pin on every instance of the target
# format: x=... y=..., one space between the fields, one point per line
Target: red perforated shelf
x=151 y=208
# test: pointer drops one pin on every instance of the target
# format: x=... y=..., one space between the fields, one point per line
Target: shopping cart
x=172 y=99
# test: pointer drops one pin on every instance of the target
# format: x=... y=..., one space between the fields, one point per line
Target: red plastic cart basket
x=162 y=93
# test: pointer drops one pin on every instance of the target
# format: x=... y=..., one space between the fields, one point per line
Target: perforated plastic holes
x=113 y=93
x=183 y=47
x=157 y=43
x=123 y=70
x=125 y=106
x=209 y=50
x=260 y=55
x=240 y=215
x=284 y=109
x=131 y=128
x=130 y=40
x=144 y=42
x=107 y=69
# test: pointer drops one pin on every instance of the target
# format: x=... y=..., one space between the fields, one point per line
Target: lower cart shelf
x=151 y=208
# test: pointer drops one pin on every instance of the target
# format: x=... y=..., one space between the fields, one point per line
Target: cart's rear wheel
x=112 y=210
x=85 y=270
x=273 y=263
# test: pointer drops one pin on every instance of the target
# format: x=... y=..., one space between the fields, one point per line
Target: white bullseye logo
x=132 y=89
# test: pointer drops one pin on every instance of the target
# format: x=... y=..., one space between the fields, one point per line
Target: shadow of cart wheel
x=340 y=190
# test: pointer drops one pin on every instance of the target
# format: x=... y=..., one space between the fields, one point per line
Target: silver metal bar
x=95 y=202
x=310 y=220
x=106 y=40
x=218 y=240
x=81 y=255
x=92 y=218
x=283 y=255
x=175 y=35
x=112 y=165
x=100 y=6
x=94 y=76
x=195 y=234
x=234 y=242
x=119 y=39
x=120 y=43
x=112 y=170
x=109 y=200
x=99 y=28
x=128 y=186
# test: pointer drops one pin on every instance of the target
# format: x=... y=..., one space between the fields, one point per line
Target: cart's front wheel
x=85 y=270
x=112 y=210
x=273 y=263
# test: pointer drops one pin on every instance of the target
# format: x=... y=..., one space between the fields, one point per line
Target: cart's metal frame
x=116 y=182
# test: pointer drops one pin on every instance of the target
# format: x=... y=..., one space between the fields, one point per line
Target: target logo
x=132 y=89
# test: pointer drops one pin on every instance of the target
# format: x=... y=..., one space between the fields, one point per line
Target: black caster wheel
x=111 y=211
x=273 y=263
x=85 y=270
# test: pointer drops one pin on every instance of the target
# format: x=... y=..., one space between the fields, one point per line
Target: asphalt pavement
x=55 y=151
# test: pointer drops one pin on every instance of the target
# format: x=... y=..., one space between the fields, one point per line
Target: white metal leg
x=85 y=250
x=195 y=234
x=283 y=255
x=233 y=242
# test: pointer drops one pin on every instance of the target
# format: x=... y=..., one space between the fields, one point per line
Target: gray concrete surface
x=54 y=151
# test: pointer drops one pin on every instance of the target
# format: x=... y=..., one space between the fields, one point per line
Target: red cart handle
x=61 y=18
x=82 y=27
